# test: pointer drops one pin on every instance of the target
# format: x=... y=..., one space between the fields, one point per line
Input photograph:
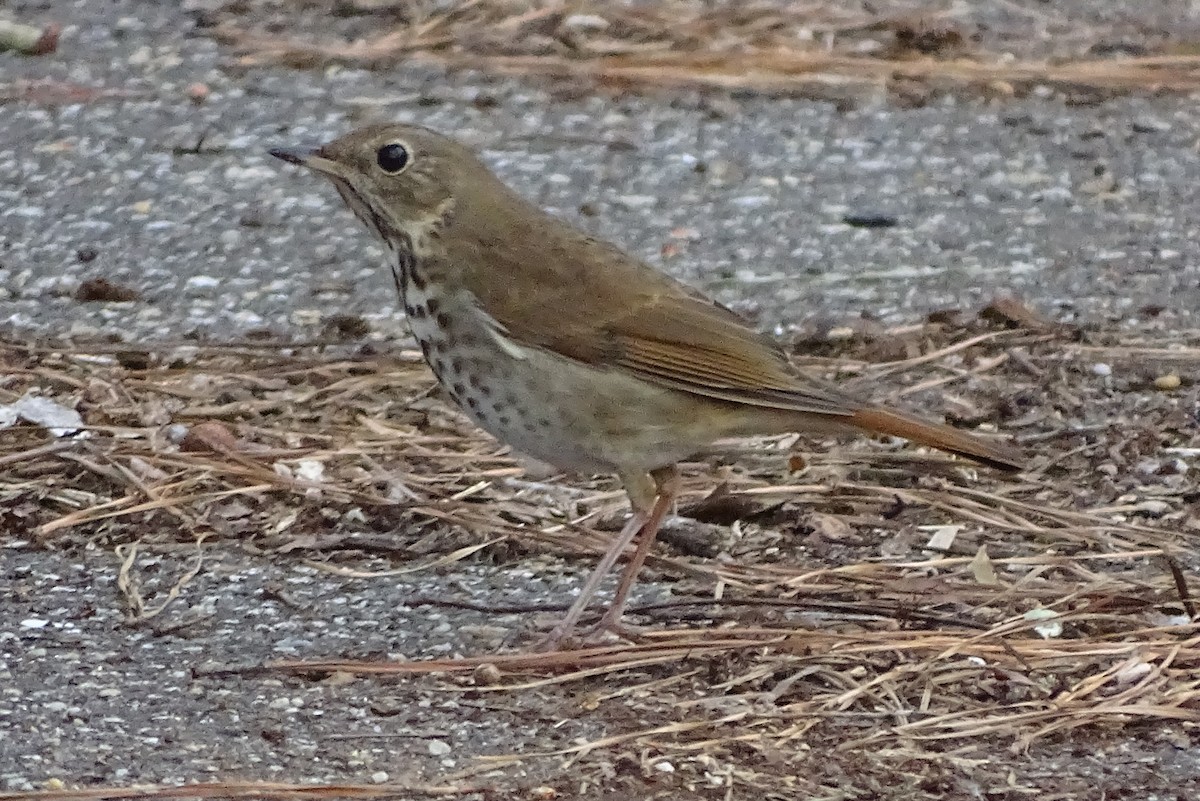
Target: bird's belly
x=573 y=416
x=558 y=410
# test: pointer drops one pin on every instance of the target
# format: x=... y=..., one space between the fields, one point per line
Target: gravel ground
x=751 y=193
x=1087 y=213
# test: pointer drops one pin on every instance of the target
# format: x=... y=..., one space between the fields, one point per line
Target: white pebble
x=637 y=201
x=585 y=22
x=202 y=282
x=751 y=201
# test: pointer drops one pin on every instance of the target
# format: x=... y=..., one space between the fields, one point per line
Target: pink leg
x=651 y=496
x=667 y=488
x=567 y=625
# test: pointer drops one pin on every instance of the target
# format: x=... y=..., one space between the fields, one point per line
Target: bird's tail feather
x=940 y=436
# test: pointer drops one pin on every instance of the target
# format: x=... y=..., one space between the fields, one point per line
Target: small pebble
x=1167 y=382
x=202 y=282
x=305 y=317
x=751 y=201
x=585 y=22
x=210 y=436
x=870 y=220
x=487 y=673
x=1175 y=467
x=438 y=748
x=633 y=202
x=1148 y=467
x=1150 y=125
x=840 y=333
x=1153 y=508
x=198 y=93
x=1101 y=369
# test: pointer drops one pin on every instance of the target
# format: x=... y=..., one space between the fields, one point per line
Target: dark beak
x=313 y=158
x=294 y=155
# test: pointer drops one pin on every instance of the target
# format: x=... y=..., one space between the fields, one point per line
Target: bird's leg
x=666 y=489
x=642 y=490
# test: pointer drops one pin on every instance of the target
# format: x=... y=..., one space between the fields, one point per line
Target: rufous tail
x=940 y=436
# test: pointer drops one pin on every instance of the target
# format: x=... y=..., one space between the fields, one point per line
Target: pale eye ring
x=392 y=158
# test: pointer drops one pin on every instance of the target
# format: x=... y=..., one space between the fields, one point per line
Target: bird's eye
x=392 y=158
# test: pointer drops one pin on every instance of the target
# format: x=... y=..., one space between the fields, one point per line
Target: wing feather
x=634 y=319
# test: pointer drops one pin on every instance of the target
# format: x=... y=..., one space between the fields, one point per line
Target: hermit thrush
x=571 y=350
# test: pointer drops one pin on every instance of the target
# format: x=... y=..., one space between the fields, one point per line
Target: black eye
x=392 y=158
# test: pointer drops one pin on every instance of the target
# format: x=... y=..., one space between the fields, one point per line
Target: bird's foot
x=560 y=638
x=610 y=629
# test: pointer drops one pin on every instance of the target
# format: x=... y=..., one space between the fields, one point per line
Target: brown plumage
x=572 y=350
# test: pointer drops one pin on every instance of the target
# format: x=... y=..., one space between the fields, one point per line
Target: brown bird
x=571 y=350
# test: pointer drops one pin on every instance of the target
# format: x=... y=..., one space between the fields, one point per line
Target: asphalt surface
x=1087 y=213
x=988 y=198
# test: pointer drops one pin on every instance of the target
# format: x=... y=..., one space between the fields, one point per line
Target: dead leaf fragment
x=101 y=290
x=1014 y=314
x=832 y=528
x=982 y=569
x=209 y=436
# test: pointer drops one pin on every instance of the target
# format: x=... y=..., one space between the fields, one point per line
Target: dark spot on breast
x=458 y=388
x=479 y=386
x=473 y=402
x=438 y=365
x=458 y=364
x=434 y=305
x=543 y=422
x=504 y=420
x=443 y=320
x=416 y=312
x=511 y=399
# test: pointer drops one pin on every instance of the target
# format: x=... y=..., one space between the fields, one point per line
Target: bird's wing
x=587 y=300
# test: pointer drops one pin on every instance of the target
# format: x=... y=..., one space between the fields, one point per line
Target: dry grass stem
x=873 y=595
x=814 y=49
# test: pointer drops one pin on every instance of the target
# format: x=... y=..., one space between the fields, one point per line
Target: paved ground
x=989 y=198
x=1088 y=213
